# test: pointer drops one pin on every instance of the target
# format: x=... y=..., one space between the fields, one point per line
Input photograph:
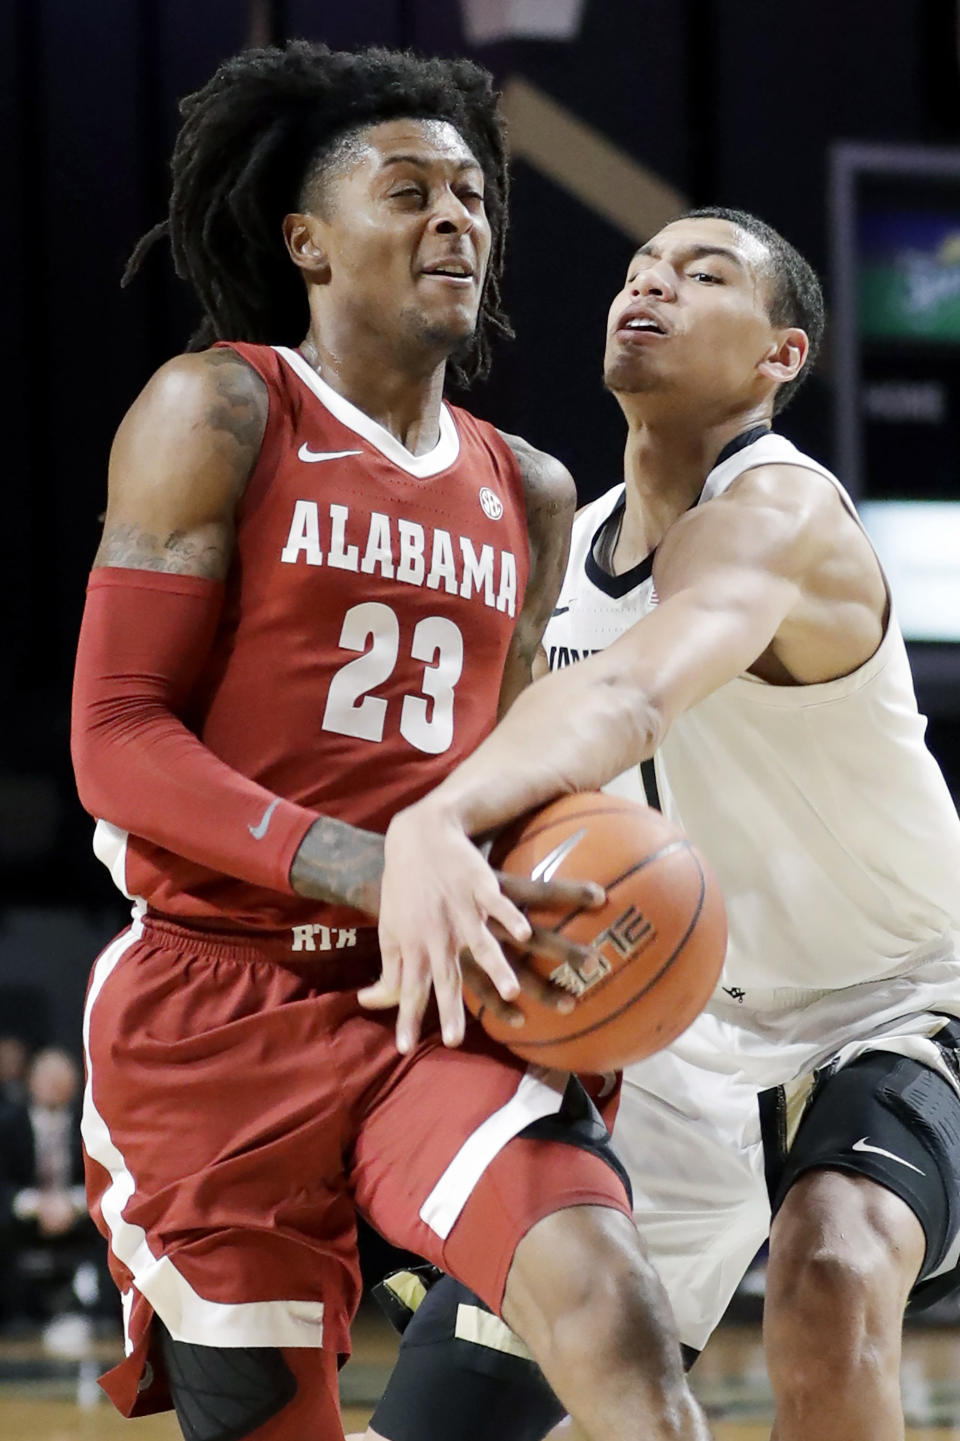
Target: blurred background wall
x=622 y=112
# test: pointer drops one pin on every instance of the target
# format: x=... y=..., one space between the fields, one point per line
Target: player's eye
x=705 y=275
x=403 y=192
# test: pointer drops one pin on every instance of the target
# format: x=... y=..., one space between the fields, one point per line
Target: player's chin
x=449 y=332
x=624 y=377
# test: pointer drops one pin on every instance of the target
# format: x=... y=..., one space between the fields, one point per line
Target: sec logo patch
x=491 y=504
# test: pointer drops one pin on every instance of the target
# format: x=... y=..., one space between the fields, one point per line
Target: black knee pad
x=223 y=1393
x=450 y=1385
x=897 y=1122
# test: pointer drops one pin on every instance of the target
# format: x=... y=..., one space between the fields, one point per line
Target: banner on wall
x=486 y=21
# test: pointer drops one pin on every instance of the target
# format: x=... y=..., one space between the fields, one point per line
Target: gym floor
x=56 y=1399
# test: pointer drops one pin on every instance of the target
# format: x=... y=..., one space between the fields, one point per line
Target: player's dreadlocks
x=260 y=131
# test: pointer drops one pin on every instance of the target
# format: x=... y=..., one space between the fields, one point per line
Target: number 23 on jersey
x=426 y=719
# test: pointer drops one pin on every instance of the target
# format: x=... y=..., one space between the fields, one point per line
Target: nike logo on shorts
x=561 y=610
x=305 y=453
x=260 y=830
x=863 y=1145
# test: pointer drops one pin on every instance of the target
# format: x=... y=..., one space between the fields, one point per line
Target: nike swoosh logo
x=862 y=1145
x=259 y=831
x=561 y=610
x=305 y=453
x=546 y=869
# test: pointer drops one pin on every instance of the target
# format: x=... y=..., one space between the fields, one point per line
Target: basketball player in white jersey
x=725 y=617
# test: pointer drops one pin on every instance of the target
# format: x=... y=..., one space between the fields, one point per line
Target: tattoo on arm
x=550 y=504
x=231 y=410
x=550 y=501
x=177 y=553
x=239 y=408
x=341 y=864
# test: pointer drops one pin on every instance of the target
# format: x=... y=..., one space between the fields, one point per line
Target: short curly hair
x=260 y=130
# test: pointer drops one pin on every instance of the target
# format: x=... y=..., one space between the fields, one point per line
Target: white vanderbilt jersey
x=825 y=817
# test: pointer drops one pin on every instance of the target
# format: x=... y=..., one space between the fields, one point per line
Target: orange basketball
x=661 y=935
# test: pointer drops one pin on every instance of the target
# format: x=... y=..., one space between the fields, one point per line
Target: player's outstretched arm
x=178 y=469
x=731 y=576
x=752 y=568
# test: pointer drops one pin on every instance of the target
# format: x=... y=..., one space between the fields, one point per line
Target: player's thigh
x=894 y=1122
x=690 y=1141
x=469 y=1149
x=215 y=1098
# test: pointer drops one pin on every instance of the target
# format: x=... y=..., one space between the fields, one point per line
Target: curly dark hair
x=796 y=296
x=260 y=131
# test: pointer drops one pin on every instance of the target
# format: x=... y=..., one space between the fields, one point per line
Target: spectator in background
x=50 y=1253
x=14 y=1059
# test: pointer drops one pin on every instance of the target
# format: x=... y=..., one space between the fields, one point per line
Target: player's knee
x=836 y=1290
x=826 y=1283
x=621 y=1328
x=853 y=1250
x=595 y=1283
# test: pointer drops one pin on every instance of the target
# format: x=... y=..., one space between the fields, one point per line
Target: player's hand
x=565 y=896
x=441 y=906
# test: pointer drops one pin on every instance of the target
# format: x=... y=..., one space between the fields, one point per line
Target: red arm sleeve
x=144 y=641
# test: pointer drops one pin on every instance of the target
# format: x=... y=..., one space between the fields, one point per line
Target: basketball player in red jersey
x=317 y=585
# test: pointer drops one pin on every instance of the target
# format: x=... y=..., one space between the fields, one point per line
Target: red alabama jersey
x=369 y=608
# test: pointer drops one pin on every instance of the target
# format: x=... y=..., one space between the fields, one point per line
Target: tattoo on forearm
x=338 y=863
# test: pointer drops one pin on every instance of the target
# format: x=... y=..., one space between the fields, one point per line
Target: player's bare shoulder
x=784 y=519
x=219 y=389
x=819 y=529
x=179 y=465
x=800 y=494
x=548 y=487
x=805 y=530
x=551 y=500
x=793 y=498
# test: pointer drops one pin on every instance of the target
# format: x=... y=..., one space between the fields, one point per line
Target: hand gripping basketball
x=441 y=906
x=654 y=950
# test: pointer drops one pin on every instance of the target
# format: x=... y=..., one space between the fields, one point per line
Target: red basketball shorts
x=239 y=1107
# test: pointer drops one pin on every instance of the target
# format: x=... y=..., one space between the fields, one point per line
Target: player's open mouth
x=639 y=320
x=640 y=327
x=454 y=271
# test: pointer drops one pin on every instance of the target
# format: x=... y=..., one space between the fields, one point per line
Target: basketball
x=660 y=937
